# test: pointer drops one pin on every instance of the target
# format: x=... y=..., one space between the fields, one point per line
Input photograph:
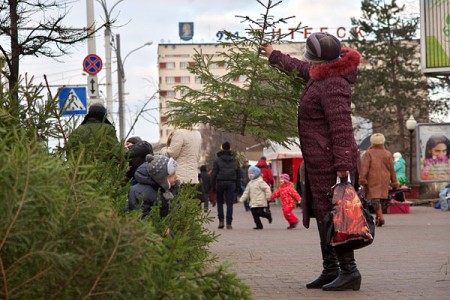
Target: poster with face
x=433 y=152
x=186 y=30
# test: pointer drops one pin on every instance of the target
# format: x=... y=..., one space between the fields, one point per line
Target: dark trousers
x=148 y=205
x=257 y=213
x=226 y=192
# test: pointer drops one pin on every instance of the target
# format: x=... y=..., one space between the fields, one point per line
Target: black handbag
x=349 y=225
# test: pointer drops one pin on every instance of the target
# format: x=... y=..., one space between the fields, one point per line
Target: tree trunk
x=13 y=77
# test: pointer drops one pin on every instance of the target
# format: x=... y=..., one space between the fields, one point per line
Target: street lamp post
x=411 y=125
x=120 y=82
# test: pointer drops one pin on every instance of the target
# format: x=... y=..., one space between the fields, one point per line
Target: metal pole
x=120 y=75
x=91 y=40
x=410 y=155
x=109 y=101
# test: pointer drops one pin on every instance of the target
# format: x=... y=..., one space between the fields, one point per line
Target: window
x=170 y=65
x=241 y=78
x=163 y=119
x=170 y=79
x=198 y=80
x=171 y=94
x=185 y=79
x=184 y=65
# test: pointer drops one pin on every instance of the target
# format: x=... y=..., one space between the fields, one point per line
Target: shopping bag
x=212 y=197
x=349 y=225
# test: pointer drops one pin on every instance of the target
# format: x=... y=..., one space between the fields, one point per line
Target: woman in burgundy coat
x=327 y=141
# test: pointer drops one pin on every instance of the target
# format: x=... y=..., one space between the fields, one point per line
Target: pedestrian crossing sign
x=73 y=100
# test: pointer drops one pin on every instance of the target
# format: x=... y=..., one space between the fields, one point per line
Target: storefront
x=284 y=160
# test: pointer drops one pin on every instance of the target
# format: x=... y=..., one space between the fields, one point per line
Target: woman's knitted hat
x=285 y=177
x=159 y=168
x=254 y=170
x=134 y=139
x=377 y=139
x=322 y=47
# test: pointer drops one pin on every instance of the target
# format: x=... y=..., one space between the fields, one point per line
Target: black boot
x=349 y=278
x=330 y=268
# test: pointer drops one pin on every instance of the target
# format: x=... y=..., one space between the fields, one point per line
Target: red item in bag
x=349 y=219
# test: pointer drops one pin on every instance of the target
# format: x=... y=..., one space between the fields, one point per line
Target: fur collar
x=377 y=146
x=346 y=67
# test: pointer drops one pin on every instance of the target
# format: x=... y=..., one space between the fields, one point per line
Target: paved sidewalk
x=409 y=259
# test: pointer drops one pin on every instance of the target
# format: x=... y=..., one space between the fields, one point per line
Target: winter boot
x=221 y=225
x=330 y=268
x=349 y=277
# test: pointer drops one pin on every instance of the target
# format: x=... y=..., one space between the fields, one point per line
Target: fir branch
x=5 y=283
x=19 y=209
x=30 y=280
x=105 y=267
x=65 y=283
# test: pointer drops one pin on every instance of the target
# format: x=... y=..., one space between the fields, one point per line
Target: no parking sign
x=92 y=64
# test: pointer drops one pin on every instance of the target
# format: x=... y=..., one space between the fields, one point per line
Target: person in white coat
x=184 y=146
x=259 y=193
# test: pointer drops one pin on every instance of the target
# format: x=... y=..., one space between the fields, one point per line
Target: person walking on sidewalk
x=244 y=182
x=258 y=192
x=204 y=186
x=288 y=196
x=266 y=171
x=377 y=175
x=327 y=139
x=225 y=180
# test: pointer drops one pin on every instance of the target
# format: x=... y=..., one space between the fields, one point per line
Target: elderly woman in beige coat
x=378 y=174
x=184 y=146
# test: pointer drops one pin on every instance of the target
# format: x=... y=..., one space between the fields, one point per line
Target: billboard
x=433 y=152
x=186 y=30
x=435 y=36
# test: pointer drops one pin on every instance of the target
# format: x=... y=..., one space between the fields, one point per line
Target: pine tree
x=265 y=107
x=390 y=84
x=64 y=235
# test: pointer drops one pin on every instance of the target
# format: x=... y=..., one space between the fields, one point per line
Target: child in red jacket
x=288 y=196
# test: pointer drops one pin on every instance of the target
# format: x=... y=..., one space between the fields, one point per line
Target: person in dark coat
x=225 y=179
x=156 y=183
x=244 y=181
x=327 y=141
x=204 y=186
x=95 y=137
x=136 y=156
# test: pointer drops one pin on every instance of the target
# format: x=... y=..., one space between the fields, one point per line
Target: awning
x=276 y=151
x=284 y=155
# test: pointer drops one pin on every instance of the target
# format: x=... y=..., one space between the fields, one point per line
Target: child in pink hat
x=288 y=196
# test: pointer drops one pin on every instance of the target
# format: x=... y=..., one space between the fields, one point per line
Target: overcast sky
x=142 y=21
